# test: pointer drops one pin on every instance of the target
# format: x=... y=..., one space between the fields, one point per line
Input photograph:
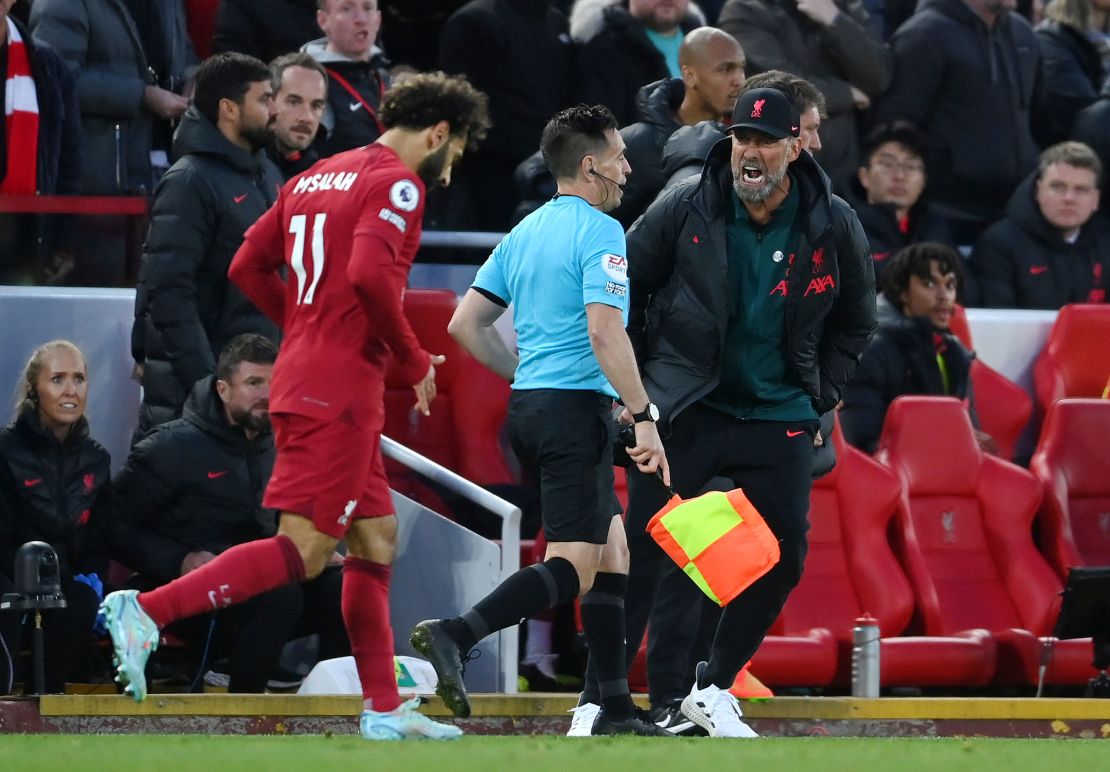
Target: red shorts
x=328 y=471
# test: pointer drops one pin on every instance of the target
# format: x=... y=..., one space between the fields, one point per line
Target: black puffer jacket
x=186 y=310
x=264 y=28
x=657 y=105
x=686 y=149
x=902 y=359
x=679 y=311
x=51 y=491
x=1023 y=262
x=192 y=484
x=616 y=58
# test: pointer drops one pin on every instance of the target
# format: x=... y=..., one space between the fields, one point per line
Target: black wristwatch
x=650 y=413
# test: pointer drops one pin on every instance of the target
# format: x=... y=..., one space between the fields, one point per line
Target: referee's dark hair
x=573 y=133
x=423 y=100
x=914 y=261
x=247 y=347
x=226 y=76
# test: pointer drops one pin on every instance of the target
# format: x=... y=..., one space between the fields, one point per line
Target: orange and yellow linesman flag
x=718 y=539
x=1106 y=391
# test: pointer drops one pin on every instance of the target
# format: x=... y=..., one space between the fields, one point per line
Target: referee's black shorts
x=563 y=439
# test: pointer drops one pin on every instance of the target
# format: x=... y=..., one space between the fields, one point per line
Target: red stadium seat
x=1072 y=461
x=463 y=432
x=850 y=571
x=1075 y=361
x=965 y=537
x=1003 y=406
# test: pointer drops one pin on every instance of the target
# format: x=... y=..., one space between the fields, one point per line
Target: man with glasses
x=751 y=299
x=1049 y=249
x=887 y=193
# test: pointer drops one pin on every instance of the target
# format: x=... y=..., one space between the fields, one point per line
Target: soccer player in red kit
x=346 y=232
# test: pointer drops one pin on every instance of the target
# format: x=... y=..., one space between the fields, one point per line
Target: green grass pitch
x=166 y=753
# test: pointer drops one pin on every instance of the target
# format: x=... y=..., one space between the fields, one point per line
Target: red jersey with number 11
x=346 y=231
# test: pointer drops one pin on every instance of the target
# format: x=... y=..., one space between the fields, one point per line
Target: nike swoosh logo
x=32 y=483
x=240 y=199
x=1037 y=270
x=216 y=475
x=354 y=106
x=795 y=434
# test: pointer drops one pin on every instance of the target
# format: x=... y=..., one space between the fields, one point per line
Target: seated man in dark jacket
x=192 y=489
x=886 y=193
x=913 y=351
x=1051 y=248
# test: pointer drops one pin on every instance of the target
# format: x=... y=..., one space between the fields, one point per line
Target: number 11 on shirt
x=296 y=260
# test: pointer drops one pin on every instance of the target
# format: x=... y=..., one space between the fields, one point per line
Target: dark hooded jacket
x=885 y=233
x=57 y=492
x=193 y=484
x=679 y=311
x=616 y=58
x=1023 y=262
x=902 y=359
x=186 y=310
x=973 y=92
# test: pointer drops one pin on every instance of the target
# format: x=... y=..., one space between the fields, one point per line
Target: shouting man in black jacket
x=751 y=301
x=192 y=489
x=185 y=309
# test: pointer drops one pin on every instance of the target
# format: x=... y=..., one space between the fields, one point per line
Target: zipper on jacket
x=119 y=159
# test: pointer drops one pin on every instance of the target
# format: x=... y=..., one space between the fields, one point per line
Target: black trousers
x=66 y=633
x=709 y=450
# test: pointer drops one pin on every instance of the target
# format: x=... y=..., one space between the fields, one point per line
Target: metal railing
x=510 y=535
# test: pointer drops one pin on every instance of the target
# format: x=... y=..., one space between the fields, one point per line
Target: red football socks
x=366 y=614
x=237 y=575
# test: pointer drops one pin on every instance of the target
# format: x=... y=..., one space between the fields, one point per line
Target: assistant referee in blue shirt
x=565 y=271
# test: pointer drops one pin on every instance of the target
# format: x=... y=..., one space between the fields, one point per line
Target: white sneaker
x=582 y=720
x=715 y=710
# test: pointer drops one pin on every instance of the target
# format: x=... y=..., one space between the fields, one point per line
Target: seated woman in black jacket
x=53 y=488
x=913 y=351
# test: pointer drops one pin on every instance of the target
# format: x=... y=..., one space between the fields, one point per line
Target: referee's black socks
x=527 y=593
x=603 y=624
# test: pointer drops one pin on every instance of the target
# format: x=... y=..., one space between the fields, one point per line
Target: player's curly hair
x=425 y=99
x=915 y=260
x=573 y=133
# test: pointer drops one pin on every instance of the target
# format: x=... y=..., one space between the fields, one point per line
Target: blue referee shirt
x=558 y=259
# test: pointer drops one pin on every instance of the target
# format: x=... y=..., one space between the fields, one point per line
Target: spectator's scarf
x=21 y=116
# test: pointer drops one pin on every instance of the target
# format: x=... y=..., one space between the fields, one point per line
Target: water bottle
x=865 y=657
